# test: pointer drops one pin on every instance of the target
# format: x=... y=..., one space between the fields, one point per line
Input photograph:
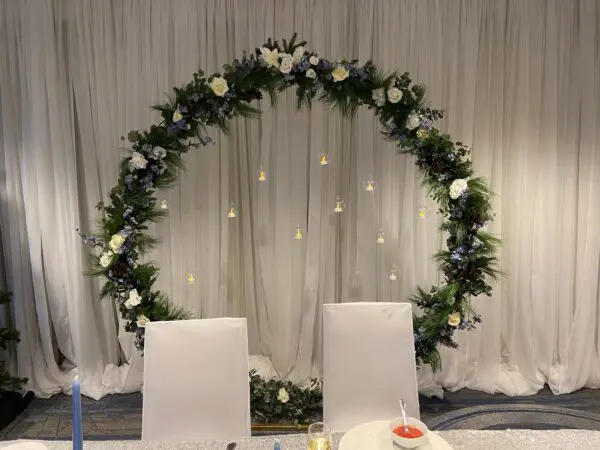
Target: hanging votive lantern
x=262 y=175
x=339 y=205
x=393 y=275
x=380 y=237
x=323 y=159
x=164 y=205
x=369 y=186
x=191 y=278
x=421 y=212
x=298 y=235
x=232 y=212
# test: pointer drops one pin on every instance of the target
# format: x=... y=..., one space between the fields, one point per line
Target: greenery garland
x=155 y=157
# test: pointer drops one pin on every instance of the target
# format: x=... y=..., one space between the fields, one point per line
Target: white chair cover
x=368 y=363
x=196 y=380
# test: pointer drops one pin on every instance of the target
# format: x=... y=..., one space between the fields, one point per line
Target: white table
x=459 y=439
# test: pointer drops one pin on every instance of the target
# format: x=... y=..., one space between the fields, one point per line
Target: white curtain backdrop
x=520 y=82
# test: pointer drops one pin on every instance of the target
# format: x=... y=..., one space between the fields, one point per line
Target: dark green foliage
x=7 y=336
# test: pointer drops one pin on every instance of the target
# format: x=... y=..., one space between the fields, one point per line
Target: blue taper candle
x=77 y=429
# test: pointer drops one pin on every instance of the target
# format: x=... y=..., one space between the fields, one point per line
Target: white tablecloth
x=459 y=439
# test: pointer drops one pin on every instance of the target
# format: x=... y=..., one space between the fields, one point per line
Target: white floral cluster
x=285 y=63
x=380 y=96
x=458 y=188
x=139 y=161
x=283 y=396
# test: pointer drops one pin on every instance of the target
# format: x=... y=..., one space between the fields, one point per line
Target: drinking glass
x=319 y=437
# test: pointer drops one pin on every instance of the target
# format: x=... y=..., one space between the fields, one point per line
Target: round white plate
x=376 y=436
x=25 y=446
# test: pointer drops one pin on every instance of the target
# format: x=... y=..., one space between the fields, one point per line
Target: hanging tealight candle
x=339 y=205
x=298 y=235
x=231 y=212
x=164 y=205
x=421 y=212
x=393 y=275
x=262 y=175
x=323 y=159
x=191 y=278
x=380 y=237
x=369 y=185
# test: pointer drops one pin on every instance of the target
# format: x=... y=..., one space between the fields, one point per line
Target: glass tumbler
x=319 y=437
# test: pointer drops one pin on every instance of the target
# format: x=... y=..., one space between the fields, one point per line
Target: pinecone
x=120 y=269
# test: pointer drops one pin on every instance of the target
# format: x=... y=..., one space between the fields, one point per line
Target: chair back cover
x=368 y=363
x=196 y=380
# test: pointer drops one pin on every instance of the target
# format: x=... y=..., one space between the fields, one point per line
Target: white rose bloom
x=283 y=396
x=133 y=299
x=270 y=57
x=379 y=96
x=142 y=321
x=394 y=95
x=454 y=319
x=219 y=86
x=177 y=116
x=158 y=152
x=106 y=258
x=310 y=73
x=137 y=161
x=313 y=60
x=414 y=120
x=457 y=188
x=340 y=73
x=287 y=63
x=115 y=242
x=298 y=54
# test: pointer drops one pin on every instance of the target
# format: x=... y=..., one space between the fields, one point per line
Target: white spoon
x=403 y=408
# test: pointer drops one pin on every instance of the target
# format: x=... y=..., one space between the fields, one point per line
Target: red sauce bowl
x=408 y=437
x=408 y=431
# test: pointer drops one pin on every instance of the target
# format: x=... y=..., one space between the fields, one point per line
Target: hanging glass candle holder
x=339 y=205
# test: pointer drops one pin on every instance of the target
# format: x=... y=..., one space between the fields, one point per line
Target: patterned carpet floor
x=119 y=417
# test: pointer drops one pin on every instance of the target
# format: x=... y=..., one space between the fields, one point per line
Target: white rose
x=340 y=73
x=283 y=396
x=454 y=319
x=177 y=116
x=287 y=62
x=298 y=54
x=310 y=73
x=313 y=60
x=270 y=57
x=394 y=95
x=106 y=258
x=219 y=86
x=414 y=120
x=457 y=188
x=116 y=241
x=142 y=320
x=137 y=161
x=133 y=299
x=158 y=152
x=378 y=96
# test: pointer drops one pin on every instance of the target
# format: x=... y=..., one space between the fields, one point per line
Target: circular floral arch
x=467 y=263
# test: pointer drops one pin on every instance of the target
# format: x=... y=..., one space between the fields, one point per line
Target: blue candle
x=77 y=430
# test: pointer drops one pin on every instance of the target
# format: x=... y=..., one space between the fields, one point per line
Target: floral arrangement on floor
x=468 y=263
x=280 y=401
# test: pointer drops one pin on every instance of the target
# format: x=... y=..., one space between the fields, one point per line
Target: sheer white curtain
x=519 y=80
